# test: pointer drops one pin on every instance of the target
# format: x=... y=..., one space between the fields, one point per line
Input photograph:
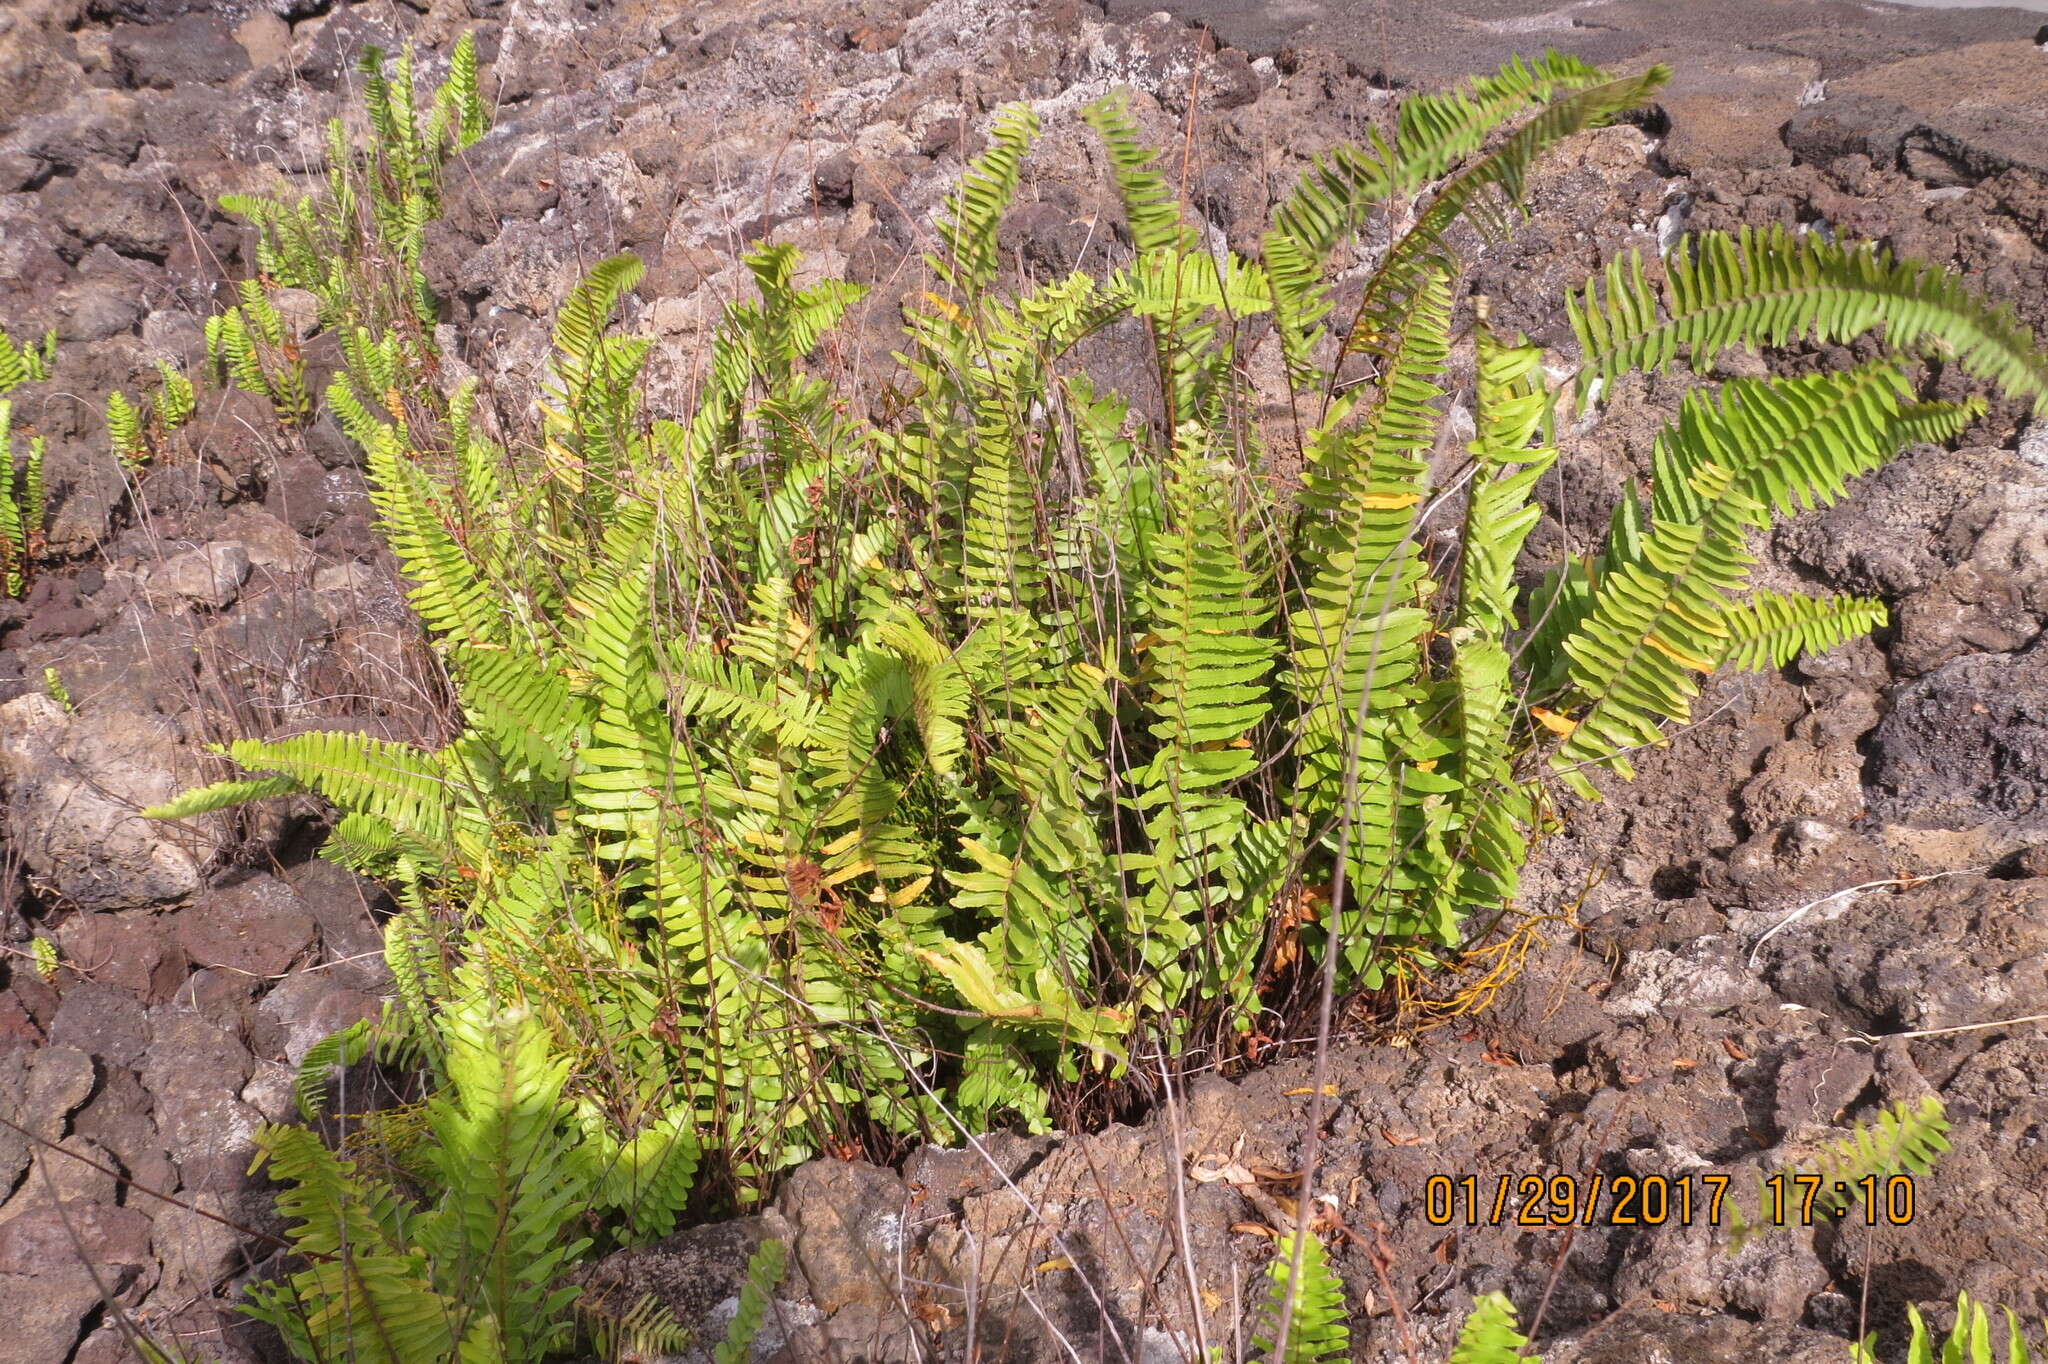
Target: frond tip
x=1769 y=288
x=1308 y=1324
x=1489 y=1335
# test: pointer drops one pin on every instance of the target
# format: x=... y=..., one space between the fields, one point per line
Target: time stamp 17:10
x=1655 y=1200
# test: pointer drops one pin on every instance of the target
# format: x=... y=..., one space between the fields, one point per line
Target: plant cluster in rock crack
x=822 y=771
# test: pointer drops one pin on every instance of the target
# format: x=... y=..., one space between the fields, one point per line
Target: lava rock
x=75 y=781
x=194 y=48
x=209 y=577
x=1967 y=745
x=257 y=926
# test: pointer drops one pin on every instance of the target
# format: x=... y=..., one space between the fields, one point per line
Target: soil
x=1819 y=899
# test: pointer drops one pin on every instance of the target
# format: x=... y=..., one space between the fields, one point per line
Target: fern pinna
x=819 y=768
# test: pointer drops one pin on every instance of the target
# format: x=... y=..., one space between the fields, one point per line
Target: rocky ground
x=1833 y=857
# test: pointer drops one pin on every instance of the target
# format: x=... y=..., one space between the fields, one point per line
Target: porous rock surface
x=1852 y=849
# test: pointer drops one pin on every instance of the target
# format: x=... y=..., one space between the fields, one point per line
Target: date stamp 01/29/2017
x=1787 y=1200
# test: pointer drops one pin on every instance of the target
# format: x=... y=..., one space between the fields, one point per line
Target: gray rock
x=348 y=908
x=77 y=1170
x=691 y=1273
x=194 y=48
x=83 y=478
x=95 y=309
x=1967 y=114
x=1960 y=950
x=129 y=210
x=311 y=497
x=1967 y=745
x=118 y=1120
x=142 y=664
x=195 y=1071
x=38 y=58
x=1646 y=1333
x=198 y=1252
x=304 y=1009
x=95 y=125
x=257 y=926
x=74 y=781
x=46 y=1312
x=210 y=576
x=107 y=1022
x=51 y=1234
x=849 y=1231
x=269 y=647
x=265 y=37
x=38 y=1091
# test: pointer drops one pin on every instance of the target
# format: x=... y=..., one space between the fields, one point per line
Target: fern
x=1970 y=1341
x=21 y=505
x=1150 y=210
x=1769 y=287
x=363 y=1294
x=764 y=1272
x=1489 y=1335
x=1660 y=612
x=1905 y=1139
x=124 y=429
x=344 y=1047
x=175 y=401
x=975 y=210
x=1772 y=629
x=24 y=362
x=643 y=1330
x=1304 y=1318
x=814 y=769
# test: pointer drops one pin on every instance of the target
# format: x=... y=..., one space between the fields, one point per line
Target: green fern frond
x=1660 y=598
x=449 y=588
x=175 y=401
x=344 y=1047
x=646 y=1329
x=974 y=211
x=460 y=118
x=1317 y=1330
x=364 y=1294
x=1906 y=1139
x=1485 y=193
x=1489 y=1335
x=1151 y=211
x=1767 y=288
x=500 y=1154
x=393 y=782
x=124 y=429
x=1771 y=629
x=222 y=795
x=1970 y=1341
x=580 y=322
x=24 y=362
x=764 y=1272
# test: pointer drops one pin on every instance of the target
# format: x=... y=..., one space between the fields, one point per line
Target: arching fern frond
x=975 y=210
x=363 y=1293
x=1659 y=597
x=580 y=322
x=222 y=795
x=1150 y=209
x=1906 y=1139
x=1771 y=629
x=1487 y=192
x=1766 y=288
x=449 y=588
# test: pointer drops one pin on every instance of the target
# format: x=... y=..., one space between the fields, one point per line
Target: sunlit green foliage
x=822 y=772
